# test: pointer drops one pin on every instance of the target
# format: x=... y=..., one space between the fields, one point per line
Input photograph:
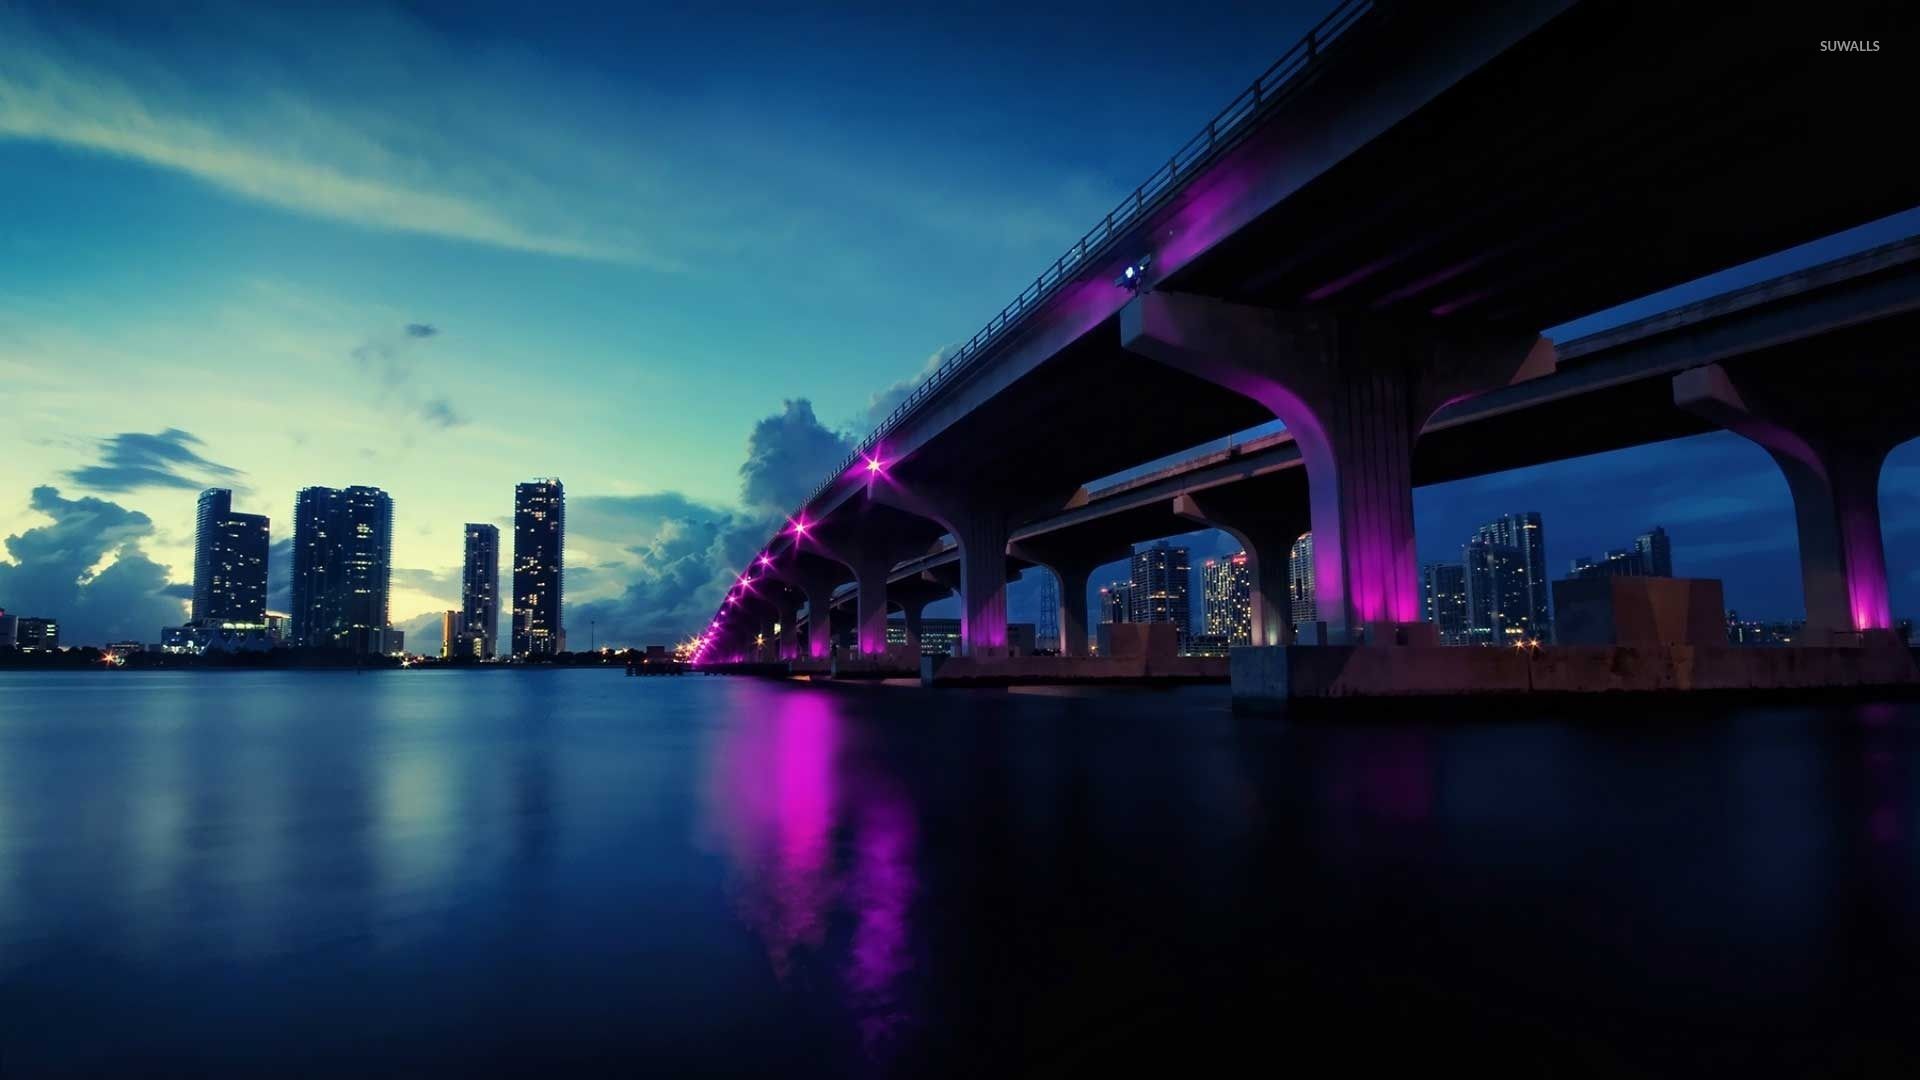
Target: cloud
x=787 y=454
x=273 y=144
x=133 y=460
x=394 y=359
x=86 y=569
x=678 y=556
x=439 y=412
x=883 y=402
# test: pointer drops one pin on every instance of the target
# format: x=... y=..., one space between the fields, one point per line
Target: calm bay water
x=538 y=871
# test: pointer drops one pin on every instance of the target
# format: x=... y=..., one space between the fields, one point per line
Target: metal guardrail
x=1225 y=129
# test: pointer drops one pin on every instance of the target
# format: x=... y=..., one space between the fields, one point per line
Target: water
x=542 y=871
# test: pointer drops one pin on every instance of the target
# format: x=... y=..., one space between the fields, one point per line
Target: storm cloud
x=57 y=571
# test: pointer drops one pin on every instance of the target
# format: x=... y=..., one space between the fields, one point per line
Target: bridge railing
x=1226 y=128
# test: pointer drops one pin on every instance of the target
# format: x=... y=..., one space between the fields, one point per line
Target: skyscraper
x=1300 y=581
x=229 y=563
x=342 y=567
x=1227 y=598
x=1656 y=552
x=1443 y=600
x=1160 y=588
x=480 y=592
x=1523 y=533
x=451 y=634
x=1116 y=602
x=1499 y=603
x=539 y=543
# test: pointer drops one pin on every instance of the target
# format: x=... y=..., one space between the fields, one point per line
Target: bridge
x=1365 y=245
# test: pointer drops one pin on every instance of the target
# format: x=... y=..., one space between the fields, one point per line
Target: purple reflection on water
x=810 y=837
x=1387 y=776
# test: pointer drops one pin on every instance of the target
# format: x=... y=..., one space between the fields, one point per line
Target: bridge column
x=869 y=560
x=814 y=579
x=912 y=596
x=1268 y=534
x=979 y=526
x=1073 y=566
x=1832 y=466
x=786 y=612
x=1354 y=393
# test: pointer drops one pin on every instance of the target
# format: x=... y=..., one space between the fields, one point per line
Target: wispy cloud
x=167 y=459
x=280 y=148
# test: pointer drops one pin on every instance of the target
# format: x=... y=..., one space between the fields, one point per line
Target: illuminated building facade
x=1499 y=604
x=480 y=593
x=539 y=543
x=342 y=568
x=1160 y=587
x=1300 y=581
x=229 y=563
x=1227 y=599
x=1524 y=534
x=1443 y=600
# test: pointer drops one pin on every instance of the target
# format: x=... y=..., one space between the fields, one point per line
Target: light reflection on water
x=467 y=873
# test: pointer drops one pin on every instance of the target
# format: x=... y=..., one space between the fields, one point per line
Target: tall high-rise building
x=1656 y=552
x=1227 y=598
x=1116 y=602
x=1620 y=562
x=1047 y=628
x=1443 y=600
x=1300 y=601
x=342 y=567
x=539 y=544
x=1161 y=583
x=450 y=634
x=229 y=563
x=1499 y=602
x=1523 y=533
x=480 y=592
x=32 y=634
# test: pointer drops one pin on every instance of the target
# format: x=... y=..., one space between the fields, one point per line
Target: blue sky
x=443 y=250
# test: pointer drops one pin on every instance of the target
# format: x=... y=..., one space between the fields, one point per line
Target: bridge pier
x=1831 y=458
x=912 y=596
x=1268 y=534
x=1073 y=566
x=1355 y=393
x=814 y=578
x=979 y=527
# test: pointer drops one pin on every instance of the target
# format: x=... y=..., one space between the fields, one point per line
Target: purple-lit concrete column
x=1354 y=393
x=868 y=559
x=1832 y=466
x=815 y=579
x=1073 y=568
x=979 y=527
x=787 y=615
x=1268 y=534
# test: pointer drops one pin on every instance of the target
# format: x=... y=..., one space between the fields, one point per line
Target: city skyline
x=398 y=336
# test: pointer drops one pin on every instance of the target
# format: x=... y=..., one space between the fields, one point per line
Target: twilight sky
x=667 y=257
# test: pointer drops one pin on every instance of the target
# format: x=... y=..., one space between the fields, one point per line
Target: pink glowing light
x=799 y=526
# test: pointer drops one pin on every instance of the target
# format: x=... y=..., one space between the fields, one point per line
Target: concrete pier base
x=1070 y=670
x=1273 y=676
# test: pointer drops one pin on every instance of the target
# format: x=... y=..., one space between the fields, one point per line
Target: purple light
x=799 y=526
x=875 y=466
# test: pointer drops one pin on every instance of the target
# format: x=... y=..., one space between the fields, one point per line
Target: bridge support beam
x=1073 y=567
x=1355 y=393
x=1832 y=466
x=814 y=578
x=1268 y=534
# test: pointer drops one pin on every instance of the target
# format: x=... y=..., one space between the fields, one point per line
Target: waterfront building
x=1116 y=602
x=229 y=563
x=480 y=592
x=539 y=544
x=1523 y=533
x=941 y=637
x=9 y=629
x=342 y=568
x=1499 y=603
x=1160 y=584
x=31 y=634
x=1443 y=600
x=1227 y=599
x=1300 y=603
x=450 y=635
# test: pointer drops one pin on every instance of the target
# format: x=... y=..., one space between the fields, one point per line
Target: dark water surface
x=539 y=871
